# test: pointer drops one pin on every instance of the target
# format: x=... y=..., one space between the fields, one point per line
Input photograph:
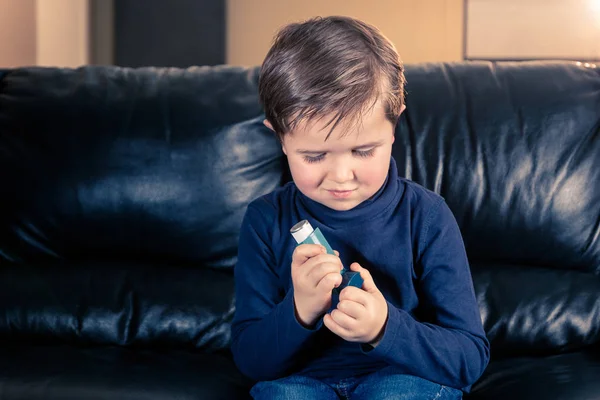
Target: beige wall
x=535 y=28
x=62 y=33
x=56 y=32
x=44 y=32
x=421 y=30
x=17 y=33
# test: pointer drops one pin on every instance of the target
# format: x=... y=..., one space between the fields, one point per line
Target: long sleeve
x=450 y=347
x=266 y=336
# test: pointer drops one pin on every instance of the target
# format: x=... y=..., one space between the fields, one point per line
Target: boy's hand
x=361 y=314
x=314 y=275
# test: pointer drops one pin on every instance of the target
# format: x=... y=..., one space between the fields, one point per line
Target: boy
x=333 y=89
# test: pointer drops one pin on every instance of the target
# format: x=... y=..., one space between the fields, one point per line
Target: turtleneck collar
x=368 y=209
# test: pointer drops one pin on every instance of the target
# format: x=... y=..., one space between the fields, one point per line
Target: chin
x=341 y=206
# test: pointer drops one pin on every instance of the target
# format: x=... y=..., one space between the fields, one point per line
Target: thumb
x=369 y=283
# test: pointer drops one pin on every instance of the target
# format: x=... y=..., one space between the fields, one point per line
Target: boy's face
x=347 y=168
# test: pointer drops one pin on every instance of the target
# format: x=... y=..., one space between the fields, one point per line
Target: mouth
x=340 y=194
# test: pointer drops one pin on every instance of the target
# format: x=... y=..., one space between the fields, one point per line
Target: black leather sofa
x=122 y=193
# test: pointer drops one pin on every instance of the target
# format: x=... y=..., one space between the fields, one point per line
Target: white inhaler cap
x=301 y=231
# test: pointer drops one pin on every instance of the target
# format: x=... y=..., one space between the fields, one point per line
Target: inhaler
x=303 y=233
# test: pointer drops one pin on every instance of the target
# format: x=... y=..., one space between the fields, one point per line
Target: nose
x=341 y=172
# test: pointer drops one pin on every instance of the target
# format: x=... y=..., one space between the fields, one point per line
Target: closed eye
x=314 y=159
x=358 y=153
x=364 y=153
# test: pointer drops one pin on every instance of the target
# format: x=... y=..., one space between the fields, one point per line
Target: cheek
x=305 y=176
x=375 y=176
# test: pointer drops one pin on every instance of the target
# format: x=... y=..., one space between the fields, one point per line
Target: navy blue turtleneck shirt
x=408 y=239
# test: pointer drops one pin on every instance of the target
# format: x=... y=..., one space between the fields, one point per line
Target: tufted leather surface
x=514 y=148
x=122 y=191
x=146 y=306
x=71 y=373
x=139 y=165
x=560 y=377
x=532 y=312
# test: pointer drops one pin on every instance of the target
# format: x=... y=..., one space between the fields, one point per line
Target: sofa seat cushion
x=67 y=372
x=573 y=376
x=117 y=304
x=534 y=311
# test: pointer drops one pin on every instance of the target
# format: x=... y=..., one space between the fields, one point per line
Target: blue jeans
x=386 y=384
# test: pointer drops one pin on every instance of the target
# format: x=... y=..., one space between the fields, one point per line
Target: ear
x=268 y=125
x=401 y=111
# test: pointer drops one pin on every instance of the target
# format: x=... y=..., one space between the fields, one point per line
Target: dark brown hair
x=334 y=66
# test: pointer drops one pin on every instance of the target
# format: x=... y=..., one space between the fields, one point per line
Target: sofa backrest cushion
x=105 y=163
x=515 y=150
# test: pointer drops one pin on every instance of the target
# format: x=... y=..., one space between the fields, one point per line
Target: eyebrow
x=362 y=146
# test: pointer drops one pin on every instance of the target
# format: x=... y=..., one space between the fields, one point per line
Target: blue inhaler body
x=303 y=233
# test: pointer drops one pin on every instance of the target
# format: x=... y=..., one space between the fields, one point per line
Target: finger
x=336 y=328
x=304 y=252
x=337 y=253
x=319 y=259
x=309 y=263
x=343 y=320
x=368 y=282
x=320 y=270
x=352 y=308
x=351 y=293
x=329 y=281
